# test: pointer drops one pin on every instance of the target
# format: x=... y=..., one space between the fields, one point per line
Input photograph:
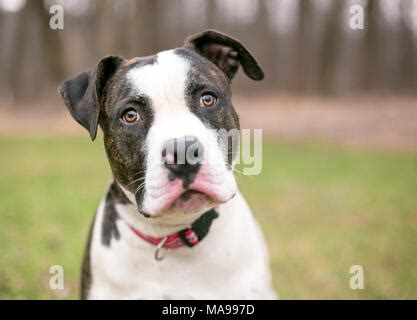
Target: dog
x=167 y=229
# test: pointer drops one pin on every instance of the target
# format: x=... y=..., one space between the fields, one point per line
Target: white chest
x=230 y=263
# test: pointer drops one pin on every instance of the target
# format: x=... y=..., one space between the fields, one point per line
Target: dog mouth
x=191 y=200
x=174 y=198
x=188 y=194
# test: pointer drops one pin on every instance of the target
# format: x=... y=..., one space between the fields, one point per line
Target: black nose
x=183 y=156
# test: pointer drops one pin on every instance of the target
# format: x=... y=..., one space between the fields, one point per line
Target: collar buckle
x=160 y=251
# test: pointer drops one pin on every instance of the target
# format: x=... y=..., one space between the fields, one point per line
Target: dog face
x=160 y=116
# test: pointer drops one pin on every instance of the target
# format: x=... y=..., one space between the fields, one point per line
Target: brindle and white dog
x=166 y=229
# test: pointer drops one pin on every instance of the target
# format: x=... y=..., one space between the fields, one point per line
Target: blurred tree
x=36 y=60
x=408 y=60
x=316 y=53
x=370 y=53
x=330 y=46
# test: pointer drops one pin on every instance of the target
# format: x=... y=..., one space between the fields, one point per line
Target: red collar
x=187 y=237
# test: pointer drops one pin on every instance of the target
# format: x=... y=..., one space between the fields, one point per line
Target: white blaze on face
x=164 y=83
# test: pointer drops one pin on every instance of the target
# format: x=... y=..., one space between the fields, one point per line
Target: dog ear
x=83 y=93
x=225 y=52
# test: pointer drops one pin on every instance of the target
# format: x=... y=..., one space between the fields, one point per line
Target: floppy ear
x=225 y=52
x=83 y=93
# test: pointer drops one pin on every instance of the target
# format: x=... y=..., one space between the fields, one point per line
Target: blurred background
x=338 y=109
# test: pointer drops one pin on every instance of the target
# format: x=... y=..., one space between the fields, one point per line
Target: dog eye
x=207 y=100
x=130 y=116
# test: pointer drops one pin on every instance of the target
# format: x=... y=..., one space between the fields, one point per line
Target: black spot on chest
x=109 y=227
x=86 y=278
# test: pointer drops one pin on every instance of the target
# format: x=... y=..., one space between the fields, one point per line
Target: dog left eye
x=130 y=116
x=207 y=100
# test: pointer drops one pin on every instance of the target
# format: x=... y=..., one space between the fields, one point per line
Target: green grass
x=323 y=209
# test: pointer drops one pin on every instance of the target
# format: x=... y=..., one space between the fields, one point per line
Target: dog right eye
x=207 y=100
x=130 y=116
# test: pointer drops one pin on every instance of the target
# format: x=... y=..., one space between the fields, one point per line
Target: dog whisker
x=141 y=186
x=136 y=180
x=139 y=172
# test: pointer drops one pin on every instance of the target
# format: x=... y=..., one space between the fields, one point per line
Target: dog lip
x=205 y=189
x=174 y=196
x=179 y=193
x=188 y=193
x=185 y=196
x=143 y=213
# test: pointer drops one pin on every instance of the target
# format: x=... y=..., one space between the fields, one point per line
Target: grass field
x=323 y=208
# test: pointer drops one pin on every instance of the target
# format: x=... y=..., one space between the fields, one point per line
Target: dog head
x=160 y=116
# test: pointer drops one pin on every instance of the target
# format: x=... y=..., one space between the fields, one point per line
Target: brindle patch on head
x=205 y=76
x=124 y=143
